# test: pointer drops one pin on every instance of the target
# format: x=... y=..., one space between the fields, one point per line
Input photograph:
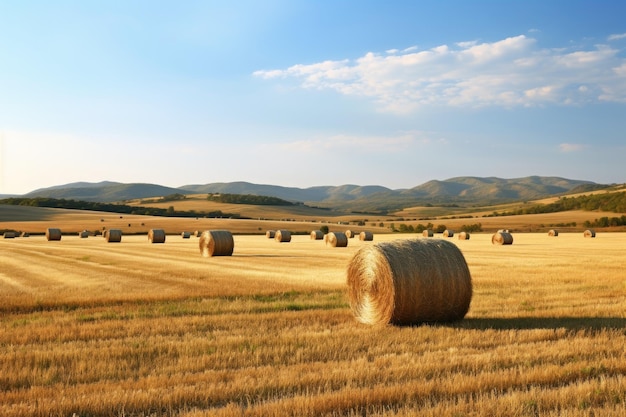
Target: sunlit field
x=91 y=328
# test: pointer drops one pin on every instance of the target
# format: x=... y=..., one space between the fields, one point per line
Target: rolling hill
x=372 y=198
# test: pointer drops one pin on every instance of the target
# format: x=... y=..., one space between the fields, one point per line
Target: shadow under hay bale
x=282 y=236
x=502 y=238
x=409 y=282
x=589 y=233
x=216 y=243
x=114 y=236
x=53 y=234
x=156 y=236
x=317 y=235
x=553 y=232
x=337 y=239
x=464 y=236
x=366 y=236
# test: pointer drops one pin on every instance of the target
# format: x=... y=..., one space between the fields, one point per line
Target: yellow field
x=137 y=329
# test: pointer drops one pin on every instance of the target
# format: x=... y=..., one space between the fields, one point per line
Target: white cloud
x=510 y=72
x=616 y=37
x=571 y=147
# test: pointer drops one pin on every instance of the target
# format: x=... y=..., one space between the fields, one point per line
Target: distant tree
x=324 y=229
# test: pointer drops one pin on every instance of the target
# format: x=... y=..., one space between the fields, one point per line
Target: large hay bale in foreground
x=589 y=233
x=337 y=239
x=553 y=232
x=216 y=243
x=53 y=234
x=114 y=235
x=464 y=236
x=156 y=236
x=282 y=236
x=502 y=238
x=270 y=234
x=366 y=236
x=317 y=235
x=428 y=233
x=408 y=282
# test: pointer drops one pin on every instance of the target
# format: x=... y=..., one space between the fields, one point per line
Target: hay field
x=90 y=328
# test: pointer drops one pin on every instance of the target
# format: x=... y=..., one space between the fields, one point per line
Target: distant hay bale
x=366 y=236
x=216 y=243
x=409 y=281
x=464 y=236
x=53 y=234
x=428 y=233
x=84 y=234
x=185 y=235
x=553 y=232
x=25 y=234
x=270 y=234
x=503 y=231
x=502 y=238
x=589 y=233
x=114 y=235
x=197 y=233
x=9 y=235
x=448 y=233
x=349 y=234
x=317 y=235
x=282 y=236
x=105 y=233
x=156 y=236
x=337 y=239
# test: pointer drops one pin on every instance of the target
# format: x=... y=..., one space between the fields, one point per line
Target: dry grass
x=137 y=329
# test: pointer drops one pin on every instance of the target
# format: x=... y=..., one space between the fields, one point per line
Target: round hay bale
x=464 y=236
x=553 y=232
x=53 y=234
x=270 y=234
x=448 y=233
x=185 y=235
x=25 y=234
x=428 y=233
x=84 y=234
x=282 y=236
x=197 y=233
x=156 y=236
x=502 y=238
x=114 y=235
x=409 y=281
x=9 y=235
x=337 y=240
x=317 y=235
x=349 y=234
x=589 y=233
x=216 y=243
x=366 y=236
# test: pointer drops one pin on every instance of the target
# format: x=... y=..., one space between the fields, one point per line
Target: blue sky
x=307 y=93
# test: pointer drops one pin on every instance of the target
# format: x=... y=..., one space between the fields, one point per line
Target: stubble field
x=135 y=329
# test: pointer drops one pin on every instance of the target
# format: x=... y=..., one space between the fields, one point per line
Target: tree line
x=259 y=200
x=611 y=202
x=108 y=207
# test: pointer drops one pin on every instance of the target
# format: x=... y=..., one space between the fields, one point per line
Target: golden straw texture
x=216 y=243
x=408 y=282
x=337 y=239
x=502 y=238
x=156 y=236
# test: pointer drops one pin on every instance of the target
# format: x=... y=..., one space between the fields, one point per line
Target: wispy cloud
x=512 y=72
x=571 y=147
x=617 y=36
x=368 y=144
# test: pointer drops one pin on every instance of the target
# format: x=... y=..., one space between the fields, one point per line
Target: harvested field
x=137 y=329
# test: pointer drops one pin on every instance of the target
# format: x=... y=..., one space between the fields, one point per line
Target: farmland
x=136 y=329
